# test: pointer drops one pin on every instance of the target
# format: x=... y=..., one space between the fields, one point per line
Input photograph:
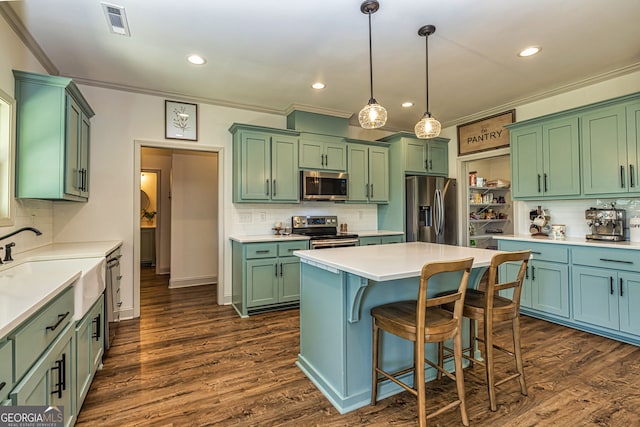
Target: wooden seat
x=492 y=308
x=423 y=321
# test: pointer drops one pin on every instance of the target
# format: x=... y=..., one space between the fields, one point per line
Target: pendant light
x=373 y=115
x=427 y=127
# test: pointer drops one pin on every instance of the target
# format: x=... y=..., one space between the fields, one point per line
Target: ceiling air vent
x=116 y=19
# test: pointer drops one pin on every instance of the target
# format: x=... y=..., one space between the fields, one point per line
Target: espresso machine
x=605 y=223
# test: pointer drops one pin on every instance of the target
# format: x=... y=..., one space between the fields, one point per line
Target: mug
x=539 y=221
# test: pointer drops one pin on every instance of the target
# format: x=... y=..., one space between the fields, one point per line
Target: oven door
x=333 y=243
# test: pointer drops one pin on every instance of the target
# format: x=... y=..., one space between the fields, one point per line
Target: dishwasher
x=112 y=296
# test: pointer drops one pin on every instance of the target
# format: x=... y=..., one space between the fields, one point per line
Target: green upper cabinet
x=605 y=159
x=633 y=145
x=426 y=156
x=265 y=165
x=53 y=135
x=368 y=168
x=545 y=159
x=323 y=152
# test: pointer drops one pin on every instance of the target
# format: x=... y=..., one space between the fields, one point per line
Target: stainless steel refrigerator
x=432 y=210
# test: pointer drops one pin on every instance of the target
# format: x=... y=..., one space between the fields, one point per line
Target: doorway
x=188 y=214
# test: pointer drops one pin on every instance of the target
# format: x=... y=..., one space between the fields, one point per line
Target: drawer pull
x=2 y=384
x=263 y=251
x=292 y=249
x=536 y=253
x=61 y=318
x=616 y=260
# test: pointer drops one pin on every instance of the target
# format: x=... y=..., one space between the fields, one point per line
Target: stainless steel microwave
x=316 y=185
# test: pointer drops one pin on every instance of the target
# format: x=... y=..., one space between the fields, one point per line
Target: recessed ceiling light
x=318 y=85
x=529 y=51
x=196 y=59
x=407 y=104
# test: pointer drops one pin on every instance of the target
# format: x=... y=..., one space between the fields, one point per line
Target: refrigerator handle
x=438 y=212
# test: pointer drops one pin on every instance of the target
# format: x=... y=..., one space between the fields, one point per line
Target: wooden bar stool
x=492 y=308
x=423 y=321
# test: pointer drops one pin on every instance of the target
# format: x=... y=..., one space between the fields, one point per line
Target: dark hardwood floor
x=189 y=362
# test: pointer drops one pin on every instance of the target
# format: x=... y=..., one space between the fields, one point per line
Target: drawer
x=37 y=333
x=6 y=369
x=261 y=250
x=540 y=251
x=391 y=239
x=287 y=248
x=617 y=259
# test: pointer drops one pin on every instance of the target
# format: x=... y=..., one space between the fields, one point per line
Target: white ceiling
x=264 y=55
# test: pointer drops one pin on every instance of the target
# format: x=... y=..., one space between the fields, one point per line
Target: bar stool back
x=423 y=321
x=492 y=308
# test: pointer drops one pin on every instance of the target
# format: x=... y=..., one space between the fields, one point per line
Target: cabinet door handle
x=97 y=334
x=326 y=160
x=538 y=183
x=61 y=318
x=545 y=183
x=616 y=260
x=430 y=165
x=426 y=164
x=61 y=368
x=526 y=273
x=611 y=284
x=371 y=190
x=280 y=269
x=621 y=291
x=533 y=273
x=621 y=176
x=631 y=181
x=276 y=269
x=274 y=188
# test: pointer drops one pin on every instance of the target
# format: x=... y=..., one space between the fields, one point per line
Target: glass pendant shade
x=373 y=115
x=427 y=127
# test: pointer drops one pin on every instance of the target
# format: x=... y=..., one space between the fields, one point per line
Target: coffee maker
x=605 y=223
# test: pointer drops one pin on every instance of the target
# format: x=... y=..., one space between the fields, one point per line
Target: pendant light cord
x=370 y=59
x=426 y=43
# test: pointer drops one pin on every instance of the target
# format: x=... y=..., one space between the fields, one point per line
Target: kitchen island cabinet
x=339 y=287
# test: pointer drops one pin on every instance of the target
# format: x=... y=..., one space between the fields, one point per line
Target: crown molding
x=23 y=34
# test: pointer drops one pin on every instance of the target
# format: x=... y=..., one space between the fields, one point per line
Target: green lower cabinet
x=51 y=380
x=89 y=349
x=607 y=298
x=266 y=276
x=6 y=369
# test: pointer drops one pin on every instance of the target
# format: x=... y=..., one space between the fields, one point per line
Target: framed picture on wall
x=485 y=134
x=181 y=120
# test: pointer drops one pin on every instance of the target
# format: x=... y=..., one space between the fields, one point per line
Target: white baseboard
x=192 y=281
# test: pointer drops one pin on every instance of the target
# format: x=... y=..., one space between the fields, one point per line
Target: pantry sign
x=485 y=134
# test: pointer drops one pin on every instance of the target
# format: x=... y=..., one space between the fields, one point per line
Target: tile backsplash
x=250 y=219
x=30 y=213
x=571 y=213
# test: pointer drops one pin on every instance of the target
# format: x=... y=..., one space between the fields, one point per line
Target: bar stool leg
x=440 y=360
x=488 y=349
x=418 y=383
x=472 y=341
x=374 y=364
x=457 y=357
x=518 y=352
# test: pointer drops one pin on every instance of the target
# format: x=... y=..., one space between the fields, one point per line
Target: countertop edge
x=573 y=241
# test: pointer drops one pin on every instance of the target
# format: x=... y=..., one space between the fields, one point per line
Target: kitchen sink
x=87 y=289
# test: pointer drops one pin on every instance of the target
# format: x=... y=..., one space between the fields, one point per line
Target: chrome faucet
x=8 y=246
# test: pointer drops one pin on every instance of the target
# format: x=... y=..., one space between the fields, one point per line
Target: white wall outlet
x=262 y=216
x=245 y=218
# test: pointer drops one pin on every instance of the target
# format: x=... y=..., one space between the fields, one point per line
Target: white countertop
x=258 y=238
x=34 y=278
x=393 y=261
x=577 y=241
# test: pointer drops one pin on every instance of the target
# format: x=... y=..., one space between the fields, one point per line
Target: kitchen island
x=338 y=288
